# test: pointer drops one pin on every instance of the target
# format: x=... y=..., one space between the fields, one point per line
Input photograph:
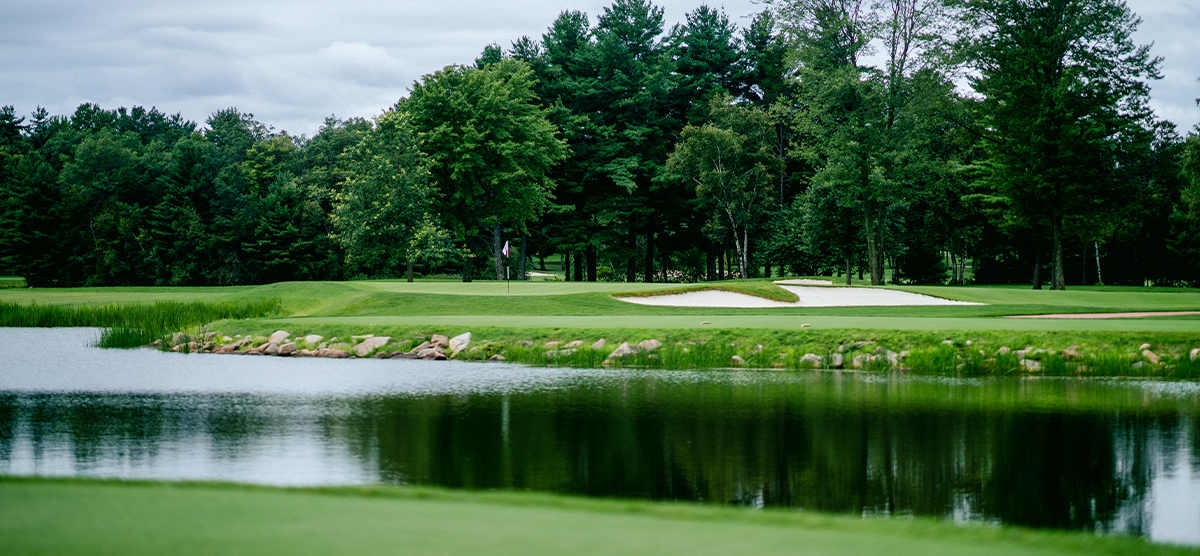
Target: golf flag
x=505 y=250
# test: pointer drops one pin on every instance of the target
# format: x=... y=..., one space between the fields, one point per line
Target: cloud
x=293 y=62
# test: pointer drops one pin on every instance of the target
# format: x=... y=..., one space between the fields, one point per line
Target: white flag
x=505 y=250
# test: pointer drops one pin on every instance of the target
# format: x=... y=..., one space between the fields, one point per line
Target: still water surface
x=1076 y=454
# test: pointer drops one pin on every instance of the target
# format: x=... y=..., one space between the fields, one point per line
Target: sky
x=292 y=63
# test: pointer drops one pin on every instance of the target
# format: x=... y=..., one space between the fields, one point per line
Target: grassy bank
x=40 y=516
x=695 y=337
x=134 y=324
x=971 y=353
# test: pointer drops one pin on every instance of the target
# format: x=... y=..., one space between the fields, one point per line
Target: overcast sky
x=294 y=62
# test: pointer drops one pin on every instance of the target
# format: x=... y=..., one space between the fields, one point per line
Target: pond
x=1108 y=455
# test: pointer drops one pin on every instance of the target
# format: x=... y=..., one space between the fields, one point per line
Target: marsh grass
x=134 y=324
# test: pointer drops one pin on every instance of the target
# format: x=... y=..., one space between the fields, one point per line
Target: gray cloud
x=294 y=62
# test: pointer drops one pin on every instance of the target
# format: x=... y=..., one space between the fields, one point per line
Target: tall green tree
x=489 y=145
x=1064 y=93
x=730 y=161
x=386 y=201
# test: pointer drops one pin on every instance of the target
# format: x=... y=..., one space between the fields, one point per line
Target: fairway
x=82 y=517
x=593 y=305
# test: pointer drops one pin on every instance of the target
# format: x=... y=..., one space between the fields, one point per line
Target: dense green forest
x=829 y=137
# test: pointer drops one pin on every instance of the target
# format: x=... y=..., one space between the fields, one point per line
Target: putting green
x=781 y=322
x=130 y=519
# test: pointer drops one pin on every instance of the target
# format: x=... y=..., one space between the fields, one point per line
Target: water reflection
x=1091 y=455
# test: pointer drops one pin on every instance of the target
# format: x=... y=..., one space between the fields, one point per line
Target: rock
x=403 y=355
x=551 y=344
x=1069 y=353
x=861 y=343
x=439 y=340
x=1195 y=354
x=841 y=348
x=1144 y=347
x=304 y=353
x=737 y=361
x=380 y=355
x=424 y=345
x=948 y=342
x=560 y=352
x=805 y=325
x=313 y=339
x=210 y=335
x=272 y=349
x=602 y=342
x=227 y=348
x=253 y=351
x=460 y=342
x=180 y=338
x=778 y=365
x=811 y=360
x=496 y=357
x=968 y=342
x=574 y=344
x=435 y=353
x=1021 y=353
x=1139 y=364
x=1030 y=365
x=757 y=349
x=1004 y=350
x=892 y=357
x=525 y=343
x=903 y=354
x=278 y=337
x=362 y=337
x=287 y=349
x=369 y=344
x=836 y=361
x=623 y=350
x=1151 y=357
x=861 y=361
x=333 y=353
x=649 y=345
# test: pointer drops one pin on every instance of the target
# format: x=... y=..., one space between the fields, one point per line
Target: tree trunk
x=766 y=269
x=721 y=262
x=649 y=277
x=1083 y=282
x=578 y=259
x=710 y=260
x=497 y=248
x=467 y=268
x=591 y=263
x=874 y=262
x=1099 y=278
x=565 y=259
x=1058 y=278
x=631 y=263
x=1037 y=269
x=542 y=263
x=745 y=253
x=410 y=270
x=521 y=264
x=848 y=270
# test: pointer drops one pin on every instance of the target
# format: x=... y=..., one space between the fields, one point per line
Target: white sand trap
x=804 y=282
x=810 y=296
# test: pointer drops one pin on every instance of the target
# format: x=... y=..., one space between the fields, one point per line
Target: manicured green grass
x=8 y=282
x=134 y=324
x=82 y=517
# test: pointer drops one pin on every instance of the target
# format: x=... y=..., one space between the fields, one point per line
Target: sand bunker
x=810 y=296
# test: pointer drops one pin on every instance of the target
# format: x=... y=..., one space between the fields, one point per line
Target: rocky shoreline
x=859 y=355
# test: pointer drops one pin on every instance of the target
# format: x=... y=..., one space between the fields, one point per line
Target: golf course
x=525 y=323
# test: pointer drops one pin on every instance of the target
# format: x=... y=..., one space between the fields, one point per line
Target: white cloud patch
x=294 y=62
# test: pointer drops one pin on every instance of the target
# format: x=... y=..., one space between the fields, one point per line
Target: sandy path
x=1105 y=315
x=810 y=296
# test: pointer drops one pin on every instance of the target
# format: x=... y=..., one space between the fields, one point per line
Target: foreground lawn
x=82 y=517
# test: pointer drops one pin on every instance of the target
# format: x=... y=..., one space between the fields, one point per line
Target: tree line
x=897 y=139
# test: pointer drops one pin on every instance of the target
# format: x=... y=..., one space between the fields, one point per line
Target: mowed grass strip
x=82 y=517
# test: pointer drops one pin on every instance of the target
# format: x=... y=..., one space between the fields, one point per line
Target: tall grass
x=134 y=324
